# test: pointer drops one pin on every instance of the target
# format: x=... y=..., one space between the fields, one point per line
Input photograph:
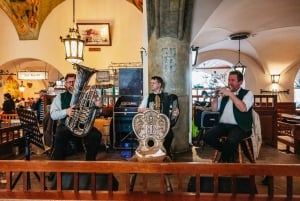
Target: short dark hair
x=239 y=75
x=7 y=95
x=159 y=79
x=70 y=75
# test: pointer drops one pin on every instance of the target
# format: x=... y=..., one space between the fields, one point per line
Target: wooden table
x=10 y=135
x=290 y=118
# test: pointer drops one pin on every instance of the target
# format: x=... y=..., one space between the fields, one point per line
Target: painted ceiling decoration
x=28 y=15
x=137 y=3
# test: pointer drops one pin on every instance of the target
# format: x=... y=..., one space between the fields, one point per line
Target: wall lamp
x=275 y=78
x=274 y=91
x=194 y=55
x=22 y=87
x=73 y=42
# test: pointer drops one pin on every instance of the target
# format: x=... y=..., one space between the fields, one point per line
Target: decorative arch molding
x=230 y=56
x=252 y=82
x=28 y=16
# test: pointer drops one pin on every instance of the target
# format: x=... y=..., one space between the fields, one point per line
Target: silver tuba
x=84 y=98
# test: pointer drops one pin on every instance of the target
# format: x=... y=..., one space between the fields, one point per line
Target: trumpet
x=216 y=93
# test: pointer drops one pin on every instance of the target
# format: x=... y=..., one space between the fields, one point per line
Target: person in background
x=59 y=110
x=8 y=106
x=38 y=105
x=162 y=106
x=235 y=106
x=21 y=103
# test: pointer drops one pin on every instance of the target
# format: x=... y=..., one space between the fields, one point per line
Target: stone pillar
x=168 y=56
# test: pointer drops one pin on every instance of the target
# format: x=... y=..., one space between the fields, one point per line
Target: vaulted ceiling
x=274 y=28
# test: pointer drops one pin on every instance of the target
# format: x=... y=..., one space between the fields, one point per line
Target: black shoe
x=266 y=181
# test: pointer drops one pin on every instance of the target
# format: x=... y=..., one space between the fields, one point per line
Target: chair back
x=151 y=129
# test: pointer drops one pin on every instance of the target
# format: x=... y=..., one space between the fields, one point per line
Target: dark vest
x=164 y=102
x=65 y=99
x=167 y=103
x=244 y=119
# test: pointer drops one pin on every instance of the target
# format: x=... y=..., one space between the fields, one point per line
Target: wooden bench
x=180 y=173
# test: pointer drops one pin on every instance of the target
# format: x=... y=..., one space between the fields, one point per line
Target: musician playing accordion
x=164 y=103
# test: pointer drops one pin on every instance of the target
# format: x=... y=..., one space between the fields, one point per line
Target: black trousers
x=63 y=135
x=227 y=148
x=168 y=142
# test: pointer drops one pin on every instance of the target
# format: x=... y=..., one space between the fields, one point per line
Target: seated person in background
x=235 y=106
x=60 y=109
x=8 y=106
x=199 y=107
x=21 y=103
x=204 y=102
x=38 y=105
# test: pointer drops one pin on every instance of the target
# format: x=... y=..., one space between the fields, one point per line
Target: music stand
x=208 y=120
x=30 y=126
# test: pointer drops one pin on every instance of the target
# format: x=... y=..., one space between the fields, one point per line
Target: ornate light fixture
x=22 y=87
x=239 y=36
x=275 y=78
x=194 y=55
x=73 y=43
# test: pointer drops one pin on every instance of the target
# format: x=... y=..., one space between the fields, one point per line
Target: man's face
x=233 y=83
x=155 y=85
x=69 y=84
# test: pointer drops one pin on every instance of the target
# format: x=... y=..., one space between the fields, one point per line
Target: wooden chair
x=243 y=146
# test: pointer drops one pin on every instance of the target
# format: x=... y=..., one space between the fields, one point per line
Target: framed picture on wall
x=102 y=76
x=95 y=34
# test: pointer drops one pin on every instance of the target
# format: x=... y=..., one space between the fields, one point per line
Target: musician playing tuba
x=60 y=110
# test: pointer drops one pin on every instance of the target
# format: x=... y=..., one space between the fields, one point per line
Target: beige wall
x=126 y=28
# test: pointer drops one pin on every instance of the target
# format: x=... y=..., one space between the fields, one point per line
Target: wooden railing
x=179 y=174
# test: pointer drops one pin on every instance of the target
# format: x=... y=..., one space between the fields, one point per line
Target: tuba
x=83 y=98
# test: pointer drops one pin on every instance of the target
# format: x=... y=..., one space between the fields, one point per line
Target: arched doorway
x=14 y=73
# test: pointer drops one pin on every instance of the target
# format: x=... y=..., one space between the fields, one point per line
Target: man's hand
x=70 y=111
x=175 y=113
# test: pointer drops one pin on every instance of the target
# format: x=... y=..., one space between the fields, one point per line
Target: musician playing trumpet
x=235 y=106
x=60 y=109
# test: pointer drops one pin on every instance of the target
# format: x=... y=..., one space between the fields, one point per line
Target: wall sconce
x=21 y=87
x=143 y=53
x=275 y=92
x=275 y=78
x=194 y=55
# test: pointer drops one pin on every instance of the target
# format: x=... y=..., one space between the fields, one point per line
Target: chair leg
x=132 y=182
x=249 y=151
x=168 y=184
x=240 y=153
x=216 y=156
